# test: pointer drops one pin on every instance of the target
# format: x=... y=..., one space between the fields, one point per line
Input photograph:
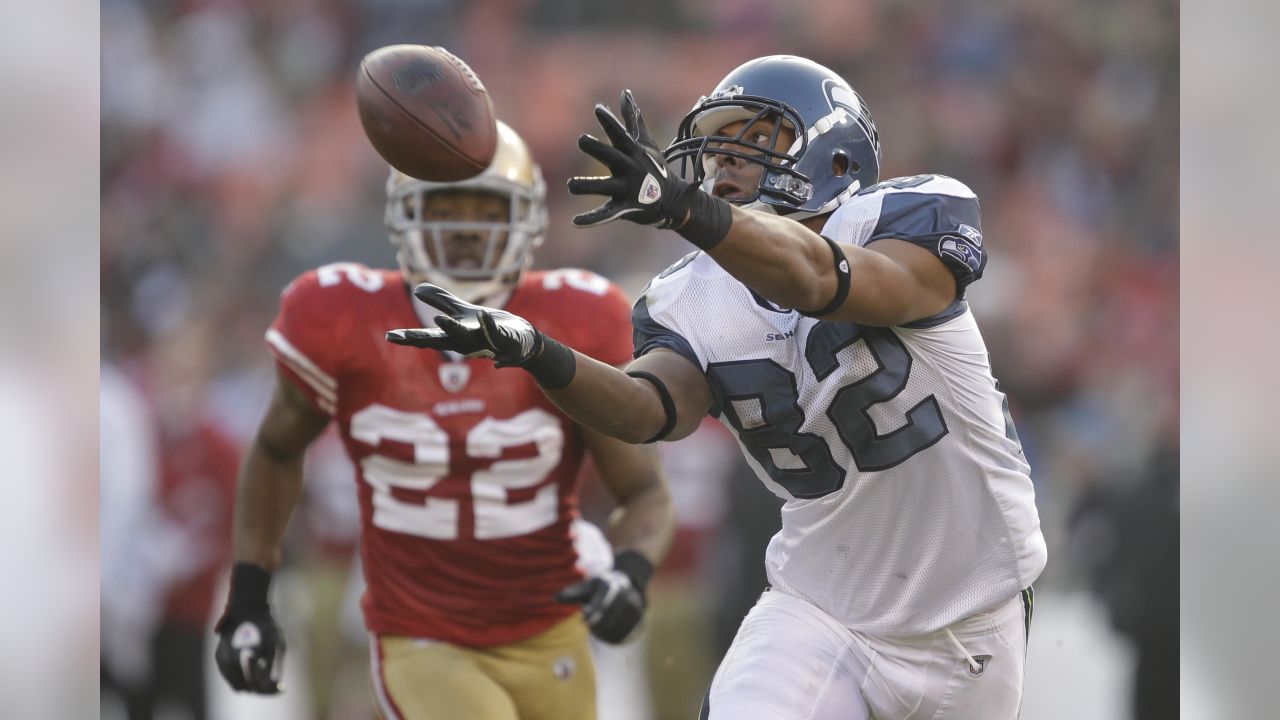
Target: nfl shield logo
x=981 y=662
x=563 y=668
x=650 y=191
x=454 y=376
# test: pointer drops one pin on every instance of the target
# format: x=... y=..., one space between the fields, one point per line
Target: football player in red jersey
x=465 y=473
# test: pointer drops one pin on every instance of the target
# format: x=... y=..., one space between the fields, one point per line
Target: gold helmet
x=420 y=242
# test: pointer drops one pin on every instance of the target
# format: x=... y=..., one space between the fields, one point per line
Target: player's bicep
x=893 y=282
x=684 y=381
x=291 y=422
x=928 y=286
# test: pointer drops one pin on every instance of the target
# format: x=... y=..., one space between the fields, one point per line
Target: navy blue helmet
x=836 y=151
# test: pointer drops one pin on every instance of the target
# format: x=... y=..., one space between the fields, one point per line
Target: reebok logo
x=964 y=247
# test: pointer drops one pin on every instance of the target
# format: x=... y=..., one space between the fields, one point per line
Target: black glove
x=640 y=188
x=476 y=331
x=614 y=601
x=250 y=652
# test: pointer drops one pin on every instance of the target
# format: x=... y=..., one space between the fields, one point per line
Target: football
x=426 y=112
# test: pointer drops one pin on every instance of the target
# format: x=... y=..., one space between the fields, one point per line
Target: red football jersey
x=465 y=473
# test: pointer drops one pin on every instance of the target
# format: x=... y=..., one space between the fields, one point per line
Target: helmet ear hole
x=840 y=164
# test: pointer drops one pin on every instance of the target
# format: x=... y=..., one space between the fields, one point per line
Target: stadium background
x=232 y=159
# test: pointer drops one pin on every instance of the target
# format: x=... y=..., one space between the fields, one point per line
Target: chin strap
x=827 y=207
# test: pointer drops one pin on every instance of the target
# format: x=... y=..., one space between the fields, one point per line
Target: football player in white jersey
x=823 y=319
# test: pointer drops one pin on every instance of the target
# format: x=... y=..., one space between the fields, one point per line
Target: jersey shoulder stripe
x=324 y=387
x=311 y=336
x=934 y=212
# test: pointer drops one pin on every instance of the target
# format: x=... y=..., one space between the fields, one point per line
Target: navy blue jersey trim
x=953 y=311
x=648 y=334
x=768 y=304
x=949 y=227
x=925 y=213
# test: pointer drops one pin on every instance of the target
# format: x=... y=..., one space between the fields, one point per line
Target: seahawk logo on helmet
x=836 y=152
x=512 y=175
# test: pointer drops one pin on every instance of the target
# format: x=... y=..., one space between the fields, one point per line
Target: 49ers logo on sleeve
x=512 y=493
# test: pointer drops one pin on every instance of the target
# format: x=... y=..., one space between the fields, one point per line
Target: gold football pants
x=546 y=677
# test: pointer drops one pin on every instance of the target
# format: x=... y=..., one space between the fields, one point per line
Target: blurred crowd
x=233 y=160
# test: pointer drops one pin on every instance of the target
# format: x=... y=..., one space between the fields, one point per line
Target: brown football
x=426 y=112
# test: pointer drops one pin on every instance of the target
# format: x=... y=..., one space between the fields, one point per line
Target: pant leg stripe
x=386 y=705
x=1028 y=608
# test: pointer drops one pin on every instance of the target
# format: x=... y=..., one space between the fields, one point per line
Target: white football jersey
x=909 y=503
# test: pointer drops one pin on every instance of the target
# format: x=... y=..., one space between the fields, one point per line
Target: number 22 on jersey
x=492 y=482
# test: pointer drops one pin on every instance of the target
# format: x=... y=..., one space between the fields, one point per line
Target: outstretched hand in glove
x=483 y=332
x=639 y=188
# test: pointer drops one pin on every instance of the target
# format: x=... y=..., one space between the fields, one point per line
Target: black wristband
x=668 y=404
x=554 y=366
x=842 y=282
x=249 y=586
x=709 y=217
x=635 y=566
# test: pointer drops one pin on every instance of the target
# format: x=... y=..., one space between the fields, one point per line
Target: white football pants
x=792 y=661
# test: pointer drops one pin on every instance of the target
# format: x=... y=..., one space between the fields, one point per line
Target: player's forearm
x=789 y=264
x=269 y=487
x=780 y=259
x=645 y=522
x=611 y=402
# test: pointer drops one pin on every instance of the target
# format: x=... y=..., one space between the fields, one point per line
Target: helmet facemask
x=697 y=147
x=481 y=258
